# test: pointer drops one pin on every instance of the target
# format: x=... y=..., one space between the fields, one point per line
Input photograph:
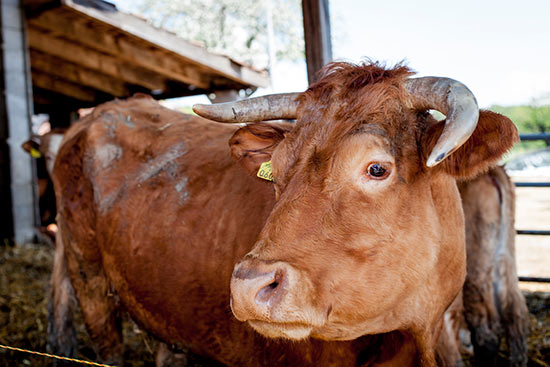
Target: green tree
x=532 y=118
x=540 y=115
x=236 y=28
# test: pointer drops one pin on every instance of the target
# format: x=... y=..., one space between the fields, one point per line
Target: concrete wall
x=17 y=111
x=6 y=223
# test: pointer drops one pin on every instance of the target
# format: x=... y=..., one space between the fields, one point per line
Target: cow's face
x=351 y=236
x=363 y=237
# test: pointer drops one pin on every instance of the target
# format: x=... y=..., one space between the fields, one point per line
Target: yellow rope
x=53 y=356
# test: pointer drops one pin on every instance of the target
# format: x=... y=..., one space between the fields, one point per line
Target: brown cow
x=354 y=258
x=44 y=148
x=493 y=304
x=491 y=307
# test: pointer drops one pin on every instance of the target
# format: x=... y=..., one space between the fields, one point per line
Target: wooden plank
x=186 y=51
x=77 y=74
x=317 y=36
x=48 y=82
x=163 y=63
x=41 y=41
x=64 y=23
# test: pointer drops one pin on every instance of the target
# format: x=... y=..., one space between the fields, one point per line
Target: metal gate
x=532 y=232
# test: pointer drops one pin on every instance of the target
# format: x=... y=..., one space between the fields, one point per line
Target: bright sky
x=499 y=48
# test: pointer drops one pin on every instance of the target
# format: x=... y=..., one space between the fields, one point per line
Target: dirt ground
x=24 y=272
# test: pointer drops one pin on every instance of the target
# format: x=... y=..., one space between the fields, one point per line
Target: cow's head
x=45 y=146
x=367 y=233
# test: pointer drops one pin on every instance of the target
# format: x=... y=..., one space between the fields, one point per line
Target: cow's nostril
x=270 y=292
x=257 y=289
x=265 y=294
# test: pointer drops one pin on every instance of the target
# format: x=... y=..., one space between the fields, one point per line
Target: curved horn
x=271 y=107
x=455 y=101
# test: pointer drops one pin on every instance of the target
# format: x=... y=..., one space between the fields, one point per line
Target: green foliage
x=532 y=118
x=237 y=28
x=520 y=115
x=528 y=119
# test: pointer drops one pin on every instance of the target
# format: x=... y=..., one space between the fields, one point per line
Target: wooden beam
x=41 y=41
x=185 y=52
x=317 y=36
x=65 y=23
x=48 y=82
x=77 y=74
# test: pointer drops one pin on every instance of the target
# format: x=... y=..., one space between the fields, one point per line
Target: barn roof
x=84 y=52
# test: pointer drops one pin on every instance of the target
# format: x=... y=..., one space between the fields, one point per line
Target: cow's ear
x=32 y=146
x=253 y=144
x=494 y=135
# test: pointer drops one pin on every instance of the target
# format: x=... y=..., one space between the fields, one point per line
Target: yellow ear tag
x=265 y=171
x=35 y=153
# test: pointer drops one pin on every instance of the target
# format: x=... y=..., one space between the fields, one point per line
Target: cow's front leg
x=96 y=298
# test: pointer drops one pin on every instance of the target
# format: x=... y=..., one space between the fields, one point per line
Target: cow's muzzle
x=257 y=290
x=273 y=298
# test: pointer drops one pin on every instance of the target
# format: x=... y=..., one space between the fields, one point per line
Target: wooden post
x=16 y=120
x=316 y=35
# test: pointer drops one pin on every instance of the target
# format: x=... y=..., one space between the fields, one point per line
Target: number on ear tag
x=265 y=171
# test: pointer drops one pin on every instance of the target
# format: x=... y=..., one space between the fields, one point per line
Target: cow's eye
x=376 y=171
